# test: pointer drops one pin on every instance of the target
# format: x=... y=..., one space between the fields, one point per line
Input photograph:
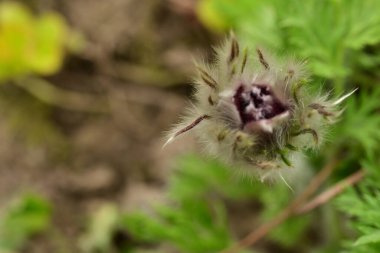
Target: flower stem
x=291 y=209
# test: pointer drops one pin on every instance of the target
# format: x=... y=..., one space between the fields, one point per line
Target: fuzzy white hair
x=256 y=139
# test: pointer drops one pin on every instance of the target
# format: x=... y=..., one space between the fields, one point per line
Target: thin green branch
x=55 y=96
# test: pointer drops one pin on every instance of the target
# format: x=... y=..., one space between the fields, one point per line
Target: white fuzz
x=255 y=113
x=342 y=98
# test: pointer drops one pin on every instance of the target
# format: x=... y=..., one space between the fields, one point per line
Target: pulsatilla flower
x=254 y=112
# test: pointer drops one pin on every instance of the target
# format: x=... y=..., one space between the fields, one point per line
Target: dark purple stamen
x=257 y=102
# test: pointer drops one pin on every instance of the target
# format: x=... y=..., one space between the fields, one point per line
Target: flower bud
x=254 y=112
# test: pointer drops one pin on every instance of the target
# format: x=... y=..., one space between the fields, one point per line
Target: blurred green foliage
x=30 y=119
x=30 y=44
x=196 y=176
x=195 y=219
x=359 y=128
x=22 y=219
x=196 y=193
x=362 y=204
x=102 y=225
x=330 y=34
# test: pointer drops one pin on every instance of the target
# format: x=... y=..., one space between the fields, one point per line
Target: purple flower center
x=257 y=102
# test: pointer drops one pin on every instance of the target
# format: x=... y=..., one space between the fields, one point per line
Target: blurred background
x=89 y=87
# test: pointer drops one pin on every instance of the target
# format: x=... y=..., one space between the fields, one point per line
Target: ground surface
x=138 y=58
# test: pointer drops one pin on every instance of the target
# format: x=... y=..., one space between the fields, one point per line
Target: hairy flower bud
x=254 y=112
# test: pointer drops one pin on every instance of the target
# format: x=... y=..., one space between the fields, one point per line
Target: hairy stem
x=331 y=192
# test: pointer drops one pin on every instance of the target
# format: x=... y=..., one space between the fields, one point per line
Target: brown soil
x=137 y=59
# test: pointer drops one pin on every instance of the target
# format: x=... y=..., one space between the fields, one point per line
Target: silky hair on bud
x=256 y=113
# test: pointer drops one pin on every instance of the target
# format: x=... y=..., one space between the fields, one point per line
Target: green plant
x=102 y=225
x=32 y=45
x=22 y=219
x=196 y=195
x=194 y=219
x=330 y=34
x=362 y=205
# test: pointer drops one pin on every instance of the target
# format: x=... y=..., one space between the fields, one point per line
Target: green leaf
x=210 y=17
x=24 y=218
x=370 y=238
x=103 y=223
x=30 y=44
x=363 y=205
x=322 y=31
x=361 y=122
x=193 y=208
x=51 y=33
x=197 y=176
